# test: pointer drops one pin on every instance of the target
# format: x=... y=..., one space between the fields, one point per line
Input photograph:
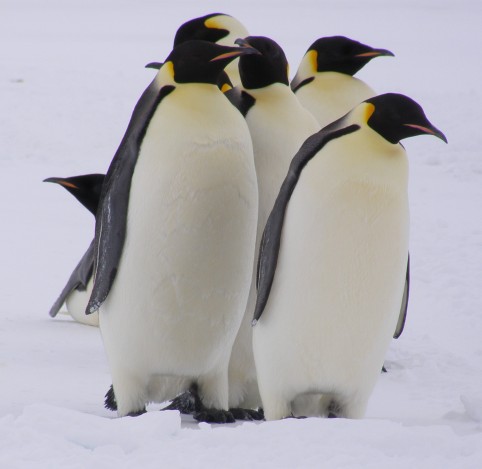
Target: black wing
x=241 y=100
x=78 y=279
x=111 y=220
x=403 y=309
x=271 y=240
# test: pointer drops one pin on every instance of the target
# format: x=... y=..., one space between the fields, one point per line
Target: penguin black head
x=86 y=189
x=212 y=28
x=270 y=66
x=343 y=55
x=395 y=117
x=334 y=54
x=202 y=61
x=224 y=83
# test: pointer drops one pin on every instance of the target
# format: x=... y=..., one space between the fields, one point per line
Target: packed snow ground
x=70 y=74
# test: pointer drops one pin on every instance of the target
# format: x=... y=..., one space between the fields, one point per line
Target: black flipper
x=403 y=309
x=78 y=280
x=111 y=220
x=241 y=100
x=270 y=242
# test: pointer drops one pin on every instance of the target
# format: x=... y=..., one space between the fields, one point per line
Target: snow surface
x=70 y=74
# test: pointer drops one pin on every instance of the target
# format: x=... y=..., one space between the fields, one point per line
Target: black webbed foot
x=384 y=370
x=189 y=402
x=247 y=414
x=109 y=399
x=214 y=416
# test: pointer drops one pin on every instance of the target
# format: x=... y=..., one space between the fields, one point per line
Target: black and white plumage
x=325 y=83
x=278 y=125
x=333 y=261
x=175 y=237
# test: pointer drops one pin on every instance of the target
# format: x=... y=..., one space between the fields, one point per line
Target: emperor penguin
x=76 y=293
x=278 y=124
x=333 y=259
x=324 y=82
x=325 y=85
x=175 y=236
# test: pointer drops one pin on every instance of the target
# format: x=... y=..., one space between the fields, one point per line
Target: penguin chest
x=189 y=249
x=343 y=256
x=278 y=125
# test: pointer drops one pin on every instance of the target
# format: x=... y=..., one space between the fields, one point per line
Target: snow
x=71 y=73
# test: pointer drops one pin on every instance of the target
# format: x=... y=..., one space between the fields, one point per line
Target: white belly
x=278 y=125
x=185 y=271
x=339 y=281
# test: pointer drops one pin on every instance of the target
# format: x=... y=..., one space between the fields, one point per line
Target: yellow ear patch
x=226 y=87
x=168 y=68
x=312 y=60
x=369 y=110
x=213 y=23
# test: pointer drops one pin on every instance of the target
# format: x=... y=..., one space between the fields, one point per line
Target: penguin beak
x=243 y=43
x=154 y=65
x=62 y=182
x=429 y=130
x=376 y=53
x=244 y=49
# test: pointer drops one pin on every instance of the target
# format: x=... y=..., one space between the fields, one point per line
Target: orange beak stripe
x=368 y=54
x=227 y=55
x=425 y=130
x=68 y=184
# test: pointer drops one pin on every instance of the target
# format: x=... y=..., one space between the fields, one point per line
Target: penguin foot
x=384 y=370
x=247 y=414
x=185 y=403
x=109 y=399
x=189 y=402
x=214 y=416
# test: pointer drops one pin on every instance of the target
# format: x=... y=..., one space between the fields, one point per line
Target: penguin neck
x=232 y=71
x=165 y=75
x=307 y=67
x=367 y=157
x=335 y=81
x=271 y=93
